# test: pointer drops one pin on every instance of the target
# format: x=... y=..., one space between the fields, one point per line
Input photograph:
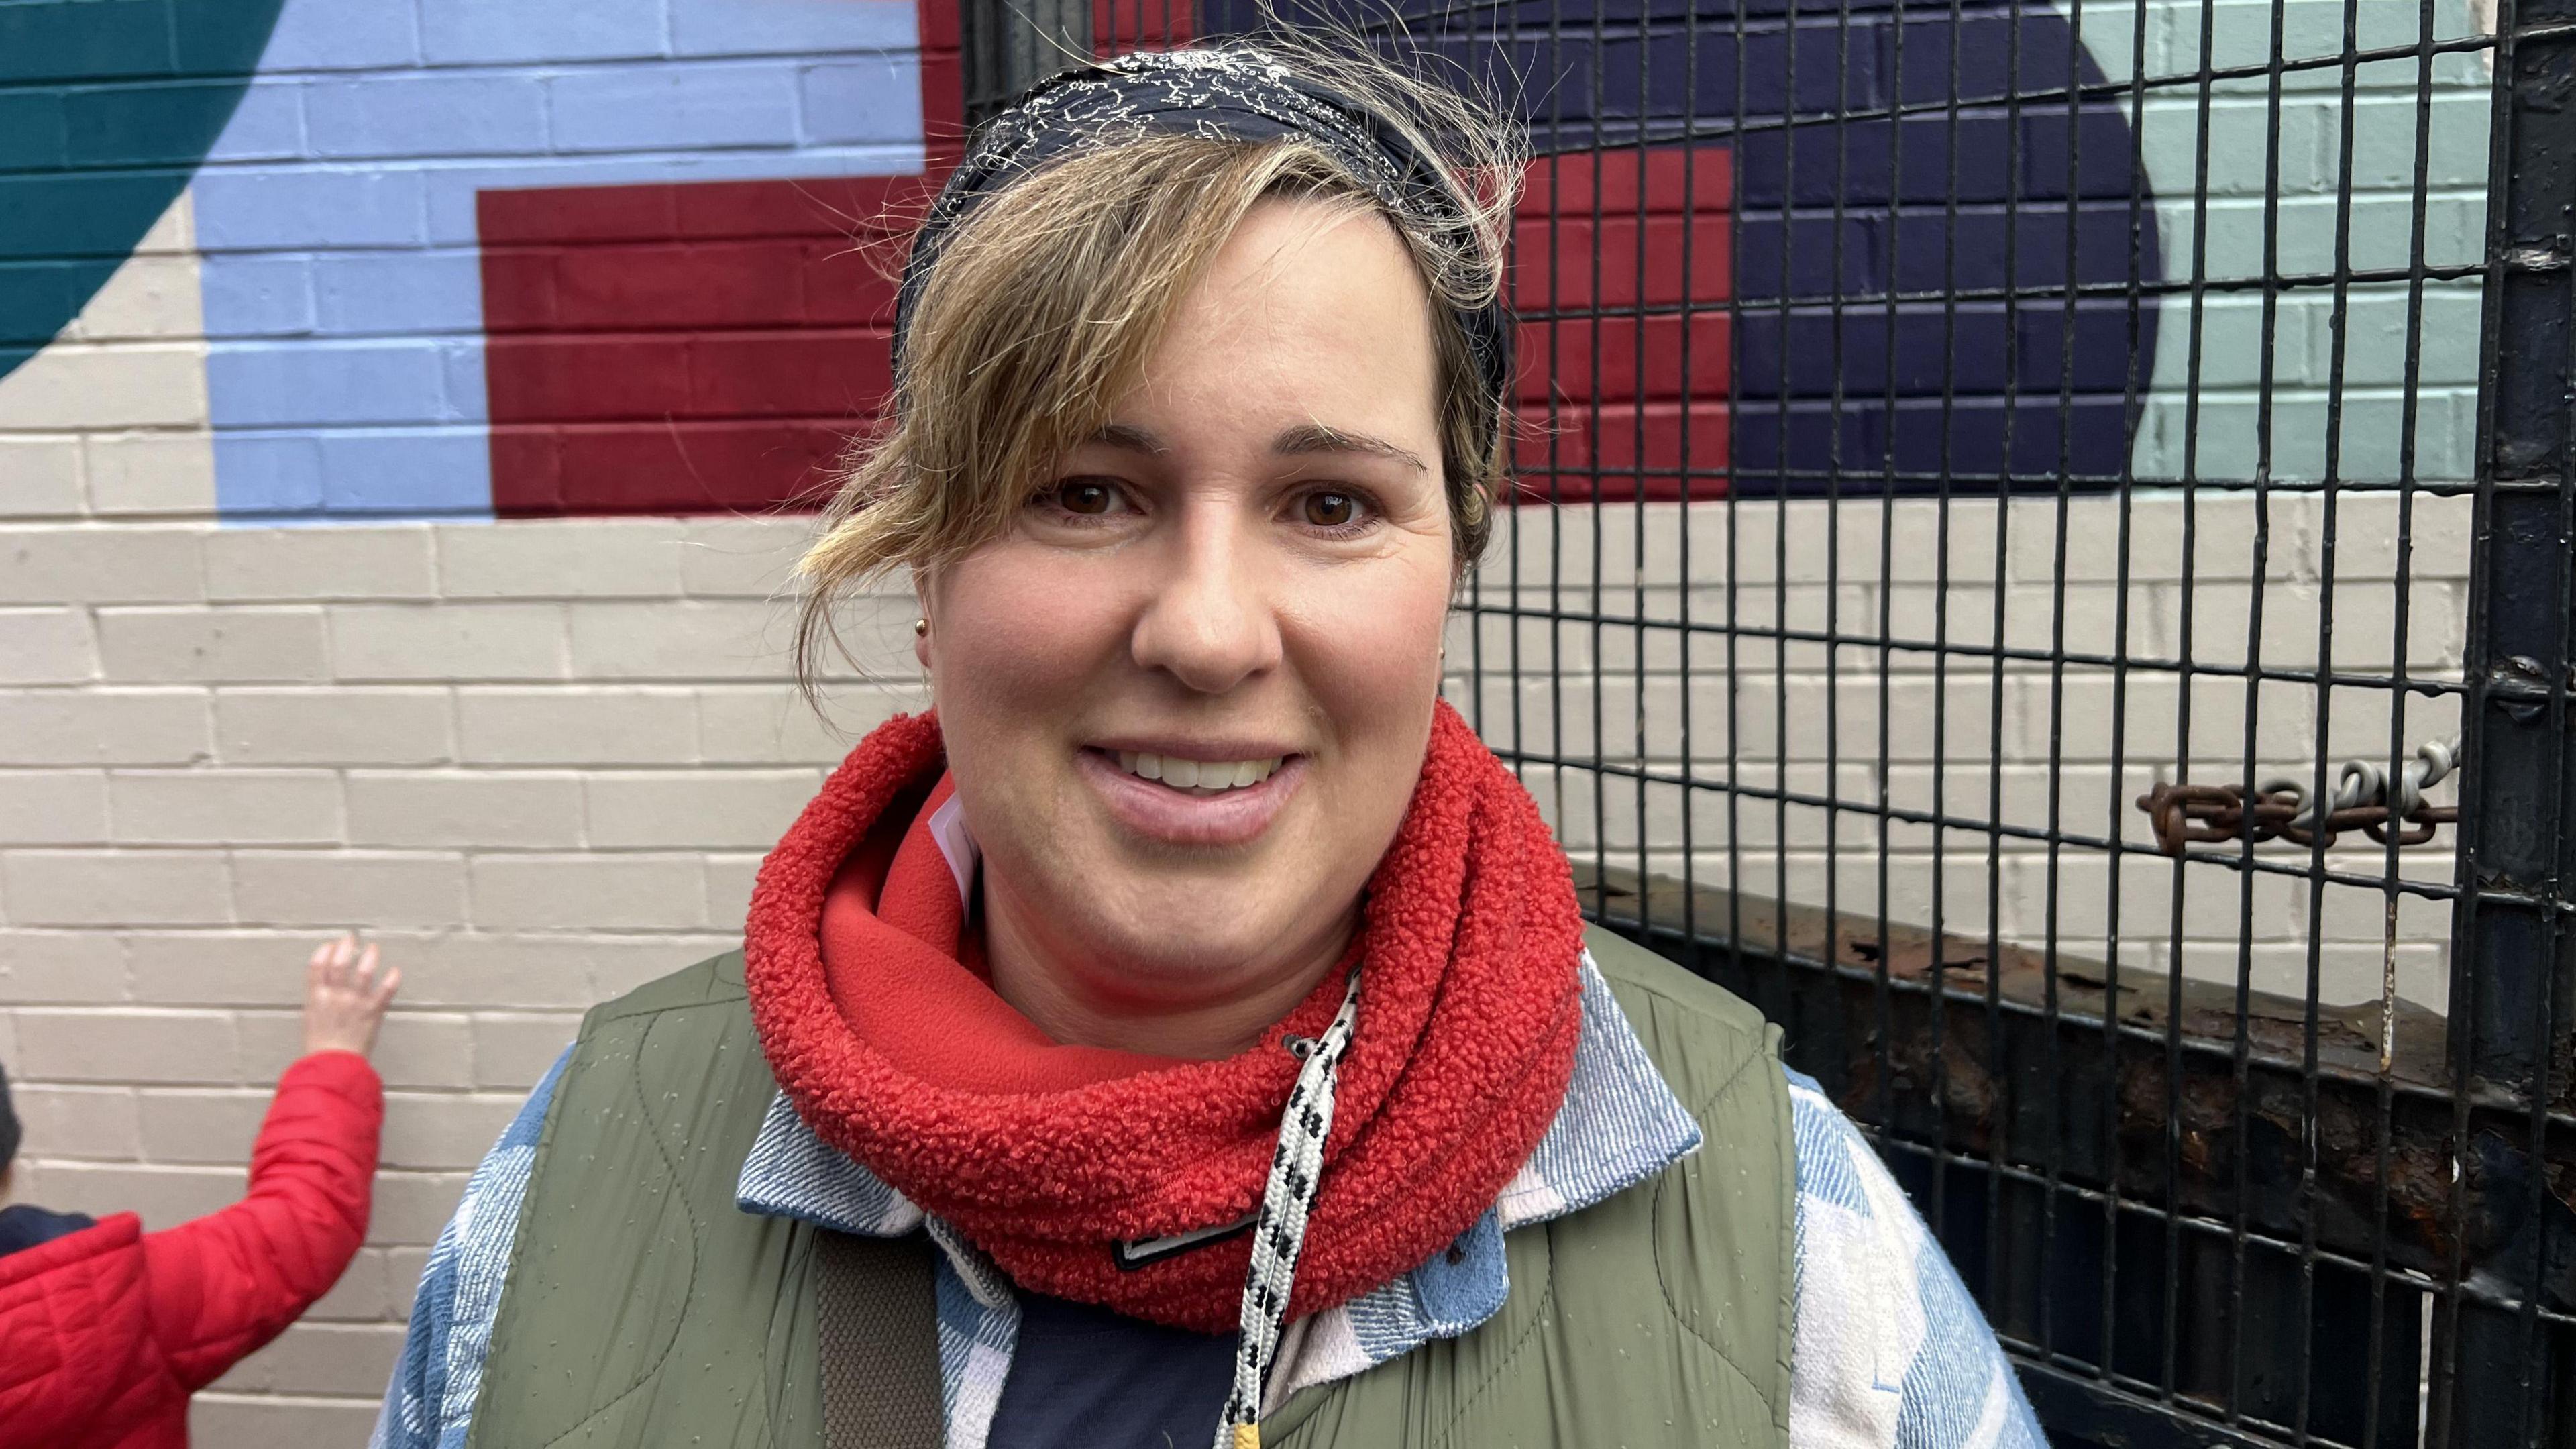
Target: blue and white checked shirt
x=1890 y=1351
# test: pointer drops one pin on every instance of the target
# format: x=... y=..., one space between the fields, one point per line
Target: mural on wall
x=470 y=258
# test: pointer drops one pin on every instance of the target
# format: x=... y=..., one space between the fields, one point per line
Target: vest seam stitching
x=1663 y=1185
x=635 y=1079
x=1538 y=1321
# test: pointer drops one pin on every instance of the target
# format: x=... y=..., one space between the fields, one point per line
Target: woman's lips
x=1175 y=817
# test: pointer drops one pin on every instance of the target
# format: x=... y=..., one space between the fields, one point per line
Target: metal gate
x=2044 y=561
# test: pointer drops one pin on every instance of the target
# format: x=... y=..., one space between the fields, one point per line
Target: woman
x=1191 y=978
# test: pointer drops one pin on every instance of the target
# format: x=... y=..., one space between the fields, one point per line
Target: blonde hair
x=1043 y=306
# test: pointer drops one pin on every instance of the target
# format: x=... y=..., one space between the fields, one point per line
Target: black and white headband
x=1220 y=94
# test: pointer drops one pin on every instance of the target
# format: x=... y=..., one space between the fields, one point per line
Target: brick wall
x=538 y=762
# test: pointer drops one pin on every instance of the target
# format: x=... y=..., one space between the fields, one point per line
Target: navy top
x=25 y=1227
x=1089 y=1376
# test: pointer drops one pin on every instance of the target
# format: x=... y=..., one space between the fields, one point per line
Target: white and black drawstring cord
x=1279 y=1233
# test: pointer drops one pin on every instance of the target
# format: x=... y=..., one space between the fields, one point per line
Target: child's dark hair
x=8 y=1124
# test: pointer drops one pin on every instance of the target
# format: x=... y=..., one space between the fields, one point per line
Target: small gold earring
x=920 y=627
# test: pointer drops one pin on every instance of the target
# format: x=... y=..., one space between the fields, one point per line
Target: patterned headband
x=1218 y=94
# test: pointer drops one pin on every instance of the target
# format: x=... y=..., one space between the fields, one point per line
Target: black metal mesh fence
x=2029 y=513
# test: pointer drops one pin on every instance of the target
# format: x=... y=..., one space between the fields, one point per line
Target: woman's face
x=1187 y=696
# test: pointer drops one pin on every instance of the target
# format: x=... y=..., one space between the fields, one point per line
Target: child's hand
x=344 y=1000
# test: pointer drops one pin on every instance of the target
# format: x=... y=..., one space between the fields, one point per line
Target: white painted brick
x=94 y=1123
x=411 y=1207
x=104 y=727
x=116 y=564
x=126 y=385
x=339 y=561
x=560 y=558
x=40 y=477
x=538 y=970
x=338 y=726
x=425 y=1049
x=222 y=1420
x=62 y=966
x=588 y=892
x=729 y=882
x=511 y=1052
x=447 y=641
x=164 y=1196
x=321 y=1358
x=770 y=724
x=313 y=888
x=152 y=297
x=115 y=887
x=224 y=967
x=696 y=809
x=200 y=1126
x=150 y=473
x=225 y=645
x=46 y=646
x=363 y=1295
x=53 y=807
x=685 y=639
x=127 y=1044
x=226 y=807
x=444 y=1130
x=742 y=557
x=492 y=810
x=577 y=725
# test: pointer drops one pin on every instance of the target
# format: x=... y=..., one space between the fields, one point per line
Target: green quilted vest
x=642 y=1308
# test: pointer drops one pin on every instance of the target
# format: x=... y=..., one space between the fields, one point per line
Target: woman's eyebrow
x=1130 y=437
x=1317 y=438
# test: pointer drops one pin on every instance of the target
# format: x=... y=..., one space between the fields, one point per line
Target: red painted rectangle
x=1564 y=355
x=684 y=348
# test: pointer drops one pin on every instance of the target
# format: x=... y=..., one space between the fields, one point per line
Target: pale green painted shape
x=2235 y=338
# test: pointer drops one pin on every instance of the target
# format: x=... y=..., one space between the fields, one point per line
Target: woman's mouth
x=1202 y=778
x=1175 y=800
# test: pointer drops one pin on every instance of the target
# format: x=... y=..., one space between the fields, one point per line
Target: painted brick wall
x=539 y=762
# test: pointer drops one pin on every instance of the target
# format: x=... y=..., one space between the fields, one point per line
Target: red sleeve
x=229 y=1282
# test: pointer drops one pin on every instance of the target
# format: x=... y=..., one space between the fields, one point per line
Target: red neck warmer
x=868 y=994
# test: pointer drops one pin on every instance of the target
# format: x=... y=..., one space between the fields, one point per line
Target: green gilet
x=643 y=1308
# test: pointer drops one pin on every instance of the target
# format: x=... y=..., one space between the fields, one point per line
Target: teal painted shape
x=107 y=107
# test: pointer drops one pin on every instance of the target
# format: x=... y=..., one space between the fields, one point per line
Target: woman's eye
x=1330 y=510
x=1078 y=496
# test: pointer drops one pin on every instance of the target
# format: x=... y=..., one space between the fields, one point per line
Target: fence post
x=1010 y=45
x=2513 y=959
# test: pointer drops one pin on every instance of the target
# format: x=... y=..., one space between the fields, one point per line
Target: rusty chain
x=2186 y=815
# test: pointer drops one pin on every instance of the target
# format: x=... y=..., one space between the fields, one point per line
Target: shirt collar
x=1619 y=1125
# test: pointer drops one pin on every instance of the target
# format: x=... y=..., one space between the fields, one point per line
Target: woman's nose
x=1208 y=619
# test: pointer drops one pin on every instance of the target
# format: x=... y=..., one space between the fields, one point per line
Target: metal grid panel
x=1967 y=443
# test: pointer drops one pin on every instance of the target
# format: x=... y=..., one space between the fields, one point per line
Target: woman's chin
x=1157 y=815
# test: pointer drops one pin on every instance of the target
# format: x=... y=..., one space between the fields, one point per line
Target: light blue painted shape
x=789 y=27
x=264 y=294
x=337 y=222
x=409 y=116
x=519 y=32
x=353 y=35
x=267 y=126
x=303 y=207
x=873 y=101
x=391 y=294
x=701 y=105
x=323 y=383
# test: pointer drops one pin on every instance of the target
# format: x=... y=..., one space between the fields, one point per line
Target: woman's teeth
x=1205 y=777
